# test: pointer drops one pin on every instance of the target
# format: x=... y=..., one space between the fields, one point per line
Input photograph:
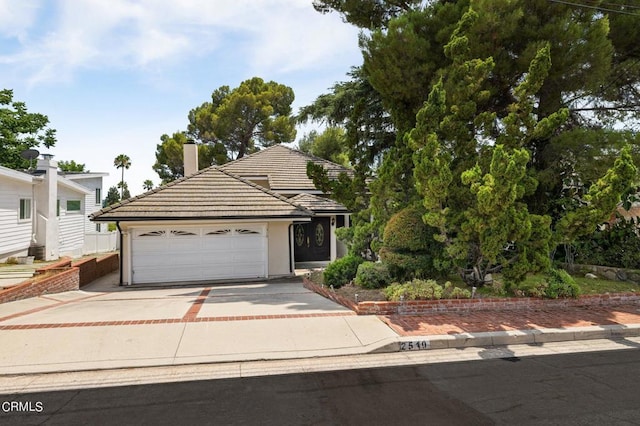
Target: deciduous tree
x=71 y=166
x=21 y=130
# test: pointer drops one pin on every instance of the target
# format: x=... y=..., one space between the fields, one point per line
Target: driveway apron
x=106 y=326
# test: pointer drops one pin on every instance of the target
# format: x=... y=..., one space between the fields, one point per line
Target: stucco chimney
x=46 y=196
x=190 y=158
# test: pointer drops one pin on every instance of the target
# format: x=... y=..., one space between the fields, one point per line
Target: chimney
x=46 y=197
x=190 y=158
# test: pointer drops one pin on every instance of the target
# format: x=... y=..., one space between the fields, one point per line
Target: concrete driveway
x=107 y=326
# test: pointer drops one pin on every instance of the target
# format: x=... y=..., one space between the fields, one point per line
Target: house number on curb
x=414 y=346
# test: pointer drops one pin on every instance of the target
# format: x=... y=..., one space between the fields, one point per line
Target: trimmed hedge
x=408 y=247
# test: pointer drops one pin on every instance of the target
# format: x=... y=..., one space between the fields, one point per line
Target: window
x=73 y=205
x=25 y=208
x=98 y=228
x=57 y=207
x=98 y=196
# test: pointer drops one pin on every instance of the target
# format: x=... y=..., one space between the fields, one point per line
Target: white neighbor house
x=45 y=213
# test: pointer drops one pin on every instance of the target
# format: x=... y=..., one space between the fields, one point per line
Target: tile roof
x=209 y=194
x=318 y=204
x=285 y=167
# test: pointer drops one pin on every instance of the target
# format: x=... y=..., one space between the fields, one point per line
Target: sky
x=115 y=75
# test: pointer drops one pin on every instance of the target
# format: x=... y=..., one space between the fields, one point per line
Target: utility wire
x=623 y=6
x=598 y=8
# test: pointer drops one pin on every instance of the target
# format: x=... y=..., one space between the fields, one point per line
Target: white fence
x=100 y=242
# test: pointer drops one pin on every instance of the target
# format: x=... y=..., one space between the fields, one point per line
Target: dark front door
x=312 y=240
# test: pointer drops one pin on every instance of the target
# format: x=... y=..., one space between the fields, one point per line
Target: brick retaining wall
x=94 y=268
x=61 y=276
x=422 y=307
x=59 y=281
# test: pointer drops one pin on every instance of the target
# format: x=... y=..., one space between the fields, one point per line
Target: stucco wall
x=279 y=259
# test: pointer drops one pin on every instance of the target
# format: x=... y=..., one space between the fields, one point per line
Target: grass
x=587 y=285
x=601 y=286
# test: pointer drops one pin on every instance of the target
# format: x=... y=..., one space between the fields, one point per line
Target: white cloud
x=297 y=38
x=277 y=35
x=16 y=17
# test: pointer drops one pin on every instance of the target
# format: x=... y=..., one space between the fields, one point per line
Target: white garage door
x=172 y=254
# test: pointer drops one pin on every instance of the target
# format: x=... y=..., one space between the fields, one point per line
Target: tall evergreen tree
x=255 y=114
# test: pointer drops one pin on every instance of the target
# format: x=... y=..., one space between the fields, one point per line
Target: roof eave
x=196 y=218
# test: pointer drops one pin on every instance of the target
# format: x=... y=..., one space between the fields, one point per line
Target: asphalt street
x=596 y=388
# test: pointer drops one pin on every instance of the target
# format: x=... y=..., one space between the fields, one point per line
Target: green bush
x=372 y=275
x=342 y=271
x=409 y=248
x=408 y=265
x=617 y=245
x=452 y=292
x=560 y=284
x=406 y=231
x=418 y=289
x=415 y=289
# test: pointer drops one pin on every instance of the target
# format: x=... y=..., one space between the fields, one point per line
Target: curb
x=512 y=337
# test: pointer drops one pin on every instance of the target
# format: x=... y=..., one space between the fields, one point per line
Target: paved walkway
x=475 y=322
x=11 y=275
x=105 y=326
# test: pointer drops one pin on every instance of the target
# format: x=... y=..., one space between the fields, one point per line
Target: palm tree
x=122 y=161
x=147 y=185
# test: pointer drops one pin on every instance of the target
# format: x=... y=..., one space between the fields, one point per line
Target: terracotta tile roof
x=285 y=167
x=318 y=204
x=209 y=194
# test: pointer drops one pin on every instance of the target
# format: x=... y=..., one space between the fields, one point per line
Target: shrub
x=12 y=261
x=616 y=245
x=415 y=289
x=409 y=248
x=452 y=292
x=408 y=265
x=560 y=284
x=372 y=275
x=342 y=271
x=406 y=231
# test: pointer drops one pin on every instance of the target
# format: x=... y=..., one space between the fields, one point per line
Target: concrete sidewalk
x=105 y=326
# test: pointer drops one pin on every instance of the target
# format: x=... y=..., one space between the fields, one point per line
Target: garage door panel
x=190 y=254
x=245 y=242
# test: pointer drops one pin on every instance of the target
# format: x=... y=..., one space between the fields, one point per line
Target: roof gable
x=319 y=204
x=35 y=177
x=211 y=193
x=285 y=167
x=15 y=175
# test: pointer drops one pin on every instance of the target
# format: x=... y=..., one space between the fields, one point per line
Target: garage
x=179 y=254
x=209 y=226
